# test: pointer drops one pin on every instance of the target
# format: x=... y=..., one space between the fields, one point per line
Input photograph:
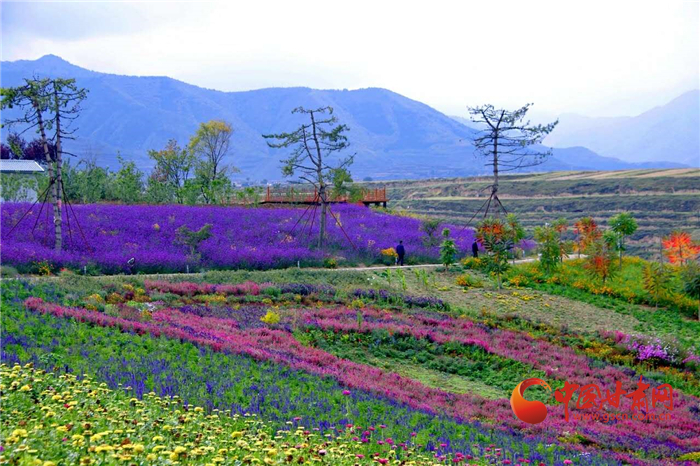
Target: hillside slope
x=660 y=200
x=392 y=136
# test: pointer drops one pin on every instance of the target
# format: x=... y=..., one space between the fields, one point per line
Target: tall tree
x=622 y=224
x=313 y=145
x=507 y=142
x=680 y=248
x=15 y=148
x=127 y=185
x=64 y=102
x=210 y=144
x=173 y=167
x=33 y=98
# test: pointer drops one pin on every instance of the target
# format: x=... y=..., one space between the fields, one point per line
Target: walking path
x=309 y=269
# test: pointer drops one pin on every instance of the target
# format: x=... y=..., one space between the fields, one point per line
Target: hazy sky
x=592 y=57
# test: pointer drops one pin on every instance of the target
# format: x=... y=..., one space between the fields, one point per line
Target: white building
x=27 y=191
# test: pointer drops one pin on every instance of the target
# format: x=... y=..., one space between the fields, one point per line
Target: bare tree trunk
x=57 y=217
x=494 y=188
x=620 y=245
x=561 y=249
x=324 y=213
x=49 y=162
x=321 y=184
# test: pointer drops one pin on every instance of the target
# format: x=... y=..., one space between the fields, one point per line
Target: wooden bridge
x=368 y=197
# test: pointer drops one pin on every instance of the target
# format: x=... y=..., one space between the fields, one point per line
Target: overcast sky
x=591 y=57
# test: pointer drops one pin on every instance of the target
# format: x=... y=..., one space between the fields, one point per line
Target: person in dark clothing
x=401 y=252
x=475 y=249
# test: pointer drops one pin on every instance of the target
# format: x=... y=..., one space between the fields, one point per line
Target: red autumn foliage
x=679 y=247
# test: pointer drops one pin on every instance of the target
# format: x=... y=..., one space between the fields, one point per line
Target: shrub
x=271 y=318
x=8 y=272
x=599 y=263
x=448 y=249
x=473 y=263
x=193 y=239
x=43 y=268
x=330 y=263
x=467 y=281
x=357 y=304
x=429 y=227
x=549 y=247
x=656 y=281
x=273 y=291
x=690 y=276
x=519 y=280
x=114 y=298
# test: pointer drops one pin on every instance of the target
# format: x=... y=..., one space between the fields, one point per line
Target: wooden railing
x=292 y=196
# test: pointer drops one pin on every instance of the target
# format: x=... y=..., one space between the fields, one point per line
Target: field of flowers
x=252 y=238
x=49 y=420
x=294 y=353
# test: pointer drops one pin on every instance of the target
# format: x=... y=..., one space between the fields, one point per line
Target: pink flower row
x=280 y=346
x=560 y=363
x=191 y=289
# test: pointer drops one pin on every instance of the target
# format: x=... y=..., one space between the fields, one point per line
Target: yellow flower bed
x=50 y=419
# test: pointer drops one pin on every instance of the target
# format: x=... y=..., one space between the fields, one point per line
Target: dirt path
x=364 y=269
x=308 y=269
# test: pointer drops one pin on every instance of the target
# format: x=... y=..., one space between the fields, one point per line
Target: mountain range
x=667 y=132
x=392 y=136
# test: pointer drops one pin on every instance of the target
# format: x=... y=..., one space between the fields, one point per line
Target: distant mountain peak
x=393 y=136
x=49 y=65
x=668 y=132
x=52 y=58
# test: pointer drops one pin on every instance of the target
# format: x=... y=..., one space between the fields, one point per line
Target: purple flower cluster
x=254 y=238
x=645 y=348
x=527 y=244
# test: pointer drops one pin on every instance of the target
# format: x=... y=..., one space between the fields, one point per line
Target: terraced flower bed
x=286 y=351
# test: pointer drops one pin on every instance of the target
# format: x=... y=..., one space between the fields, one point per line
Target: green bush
x=8 y=272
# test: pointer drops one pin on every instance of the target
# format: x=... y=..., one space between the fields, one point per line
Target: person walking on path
x=475 y=249
x=400 y=252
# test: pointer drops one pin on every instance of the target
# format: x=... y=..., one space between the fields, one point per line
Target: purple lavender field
x=253 y=238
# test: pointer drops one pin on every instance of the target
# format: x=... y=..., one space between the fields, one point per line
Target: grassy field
x=661 y=200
